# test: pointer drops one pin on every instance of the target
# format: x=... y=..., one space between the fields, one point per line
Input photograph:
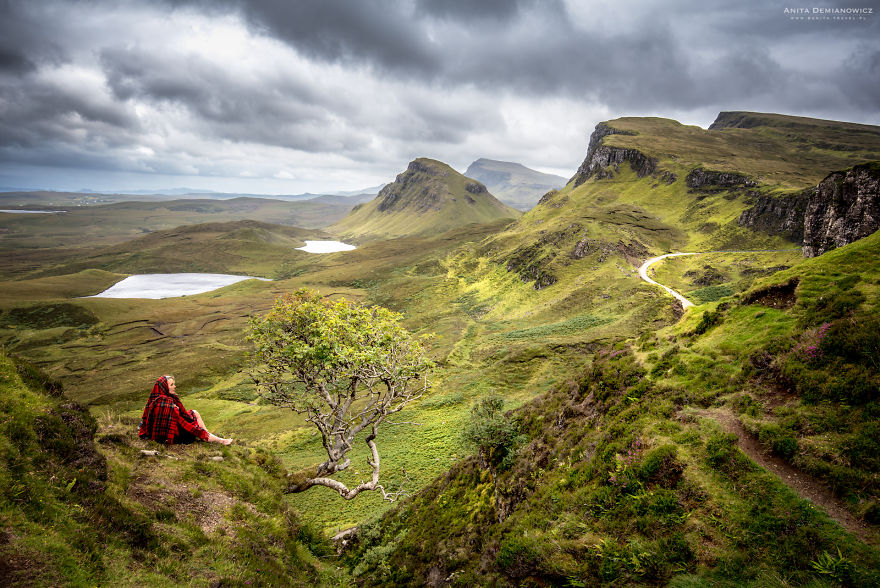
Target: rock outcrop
x=428 y=198
x=391 y=196
x=844 y=207
x=708 y=180
x=601 y=157
x=778 y=215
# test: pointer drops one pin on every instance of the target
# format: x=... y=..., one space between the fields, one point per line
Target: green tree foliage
x=492 y=433
x=346 y=366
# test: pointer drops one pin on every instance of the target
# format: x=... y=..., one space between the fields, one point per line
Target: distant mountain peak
x=513 y=183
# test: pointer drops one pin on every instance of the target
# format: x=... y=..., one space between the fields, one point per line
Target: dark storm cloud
x=465 y=10
x=208 y=89
x=542 y=48
x=22 y=41
x=36 y=110
x=860 y=76
x=85 y=82
x=369 y=31
x=284 y=111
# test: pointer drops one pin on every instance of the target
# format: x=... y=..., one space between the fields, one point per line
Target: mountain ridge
x=429 y=197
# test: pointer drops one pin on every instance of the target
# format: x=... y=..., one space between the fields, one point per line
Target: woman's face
x=171 y=385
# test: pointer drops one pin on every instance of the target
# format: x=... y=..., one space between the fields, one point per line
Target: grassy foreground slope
x=627 y=473
x=428 y=198
x=80 y=505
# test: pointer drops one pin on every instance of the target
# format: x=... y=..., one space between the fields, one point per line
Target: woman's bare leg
x=212 y=438
x=199 y=419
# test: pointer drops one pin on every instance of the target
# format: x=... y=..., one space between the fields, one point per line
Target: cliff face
x=417 y=172
x=599 y=157
x=703 y=179
x=844 y=208
x=781 y=215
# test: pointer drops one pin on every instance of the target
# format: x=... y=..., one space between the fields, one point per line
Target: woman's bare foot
x=212 y=438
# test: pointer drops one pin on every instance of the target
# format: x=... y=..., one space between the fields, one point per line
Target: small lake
x=169 y=285
x=326 y=247
x=20 y=211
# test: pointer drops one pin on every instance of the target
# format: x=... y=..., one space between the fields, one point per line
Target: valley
x=624 y=472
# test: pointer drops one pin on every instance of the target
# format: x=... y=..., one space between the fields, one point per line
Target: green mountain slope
x=427 y=199
x=650 y=186
x=626 y=473
x=513 y=183
x=80 y=505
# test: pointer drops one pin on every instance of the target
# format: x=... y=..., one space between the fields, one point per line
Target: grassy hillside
x=785 y=152
x=620 y=215
x=80 y=505
x=429 y=198
x=628 y=471
x=513 y=183
x=105 y=349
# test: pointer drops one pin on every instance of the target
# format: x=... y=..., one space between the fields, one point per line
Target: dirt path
x=804 y=485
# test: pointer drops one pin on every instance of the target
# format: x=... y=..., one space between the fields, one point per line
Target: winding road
x=685 y=303
x=643 y=273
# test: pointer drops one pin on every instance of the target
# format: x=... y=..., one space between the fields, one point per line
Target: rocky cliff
x=844 y=207
x=600 y=157
x=708 y=180
x=778 y=215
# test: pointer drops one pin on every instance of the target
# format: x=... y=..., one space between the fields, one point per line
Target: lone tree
x=347 y=367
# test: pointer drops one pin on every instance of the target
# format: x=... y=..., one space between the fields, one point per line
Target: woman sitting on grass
x=165 y=419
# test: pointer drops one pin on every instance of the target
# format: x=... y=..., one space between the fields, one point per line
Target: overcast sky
x=286 y=96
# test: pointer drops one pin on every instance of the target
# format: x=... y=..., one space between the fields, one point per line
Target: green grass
x=804 y=150
x=77 y=512
x=106 y=224
x=711 y=276
x=638 y=497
